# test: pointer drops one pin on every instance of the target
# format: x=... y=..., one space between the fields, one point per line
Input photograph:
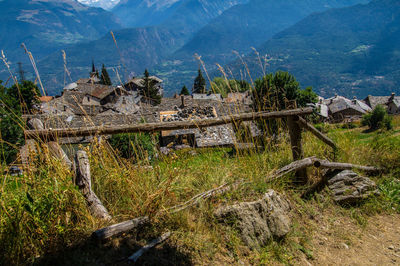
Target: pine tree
x=199 y=85
x=184 y=91
x=150 y=90
x=105 y=78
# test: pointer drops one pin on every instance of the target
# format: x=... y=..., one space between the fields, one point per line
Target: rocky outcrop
x=348 y=187
x=258 y=221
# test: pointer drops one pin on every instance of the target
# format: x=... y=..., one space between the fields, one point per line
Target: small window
x=88 y=99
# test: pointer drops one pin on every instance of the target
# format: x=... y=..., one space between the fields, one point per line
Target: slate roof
x=374 y=101
x=396 y=101
x=339 y=103
x=199 y=96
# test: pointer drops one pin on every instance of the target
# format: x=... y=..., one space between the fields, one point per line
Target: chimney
x=355 y=100
x=392 y=97
x=183 y=100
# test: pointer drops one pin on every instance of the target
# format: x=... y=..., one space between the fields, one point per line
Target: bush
x=137 y=146
x=377 y=119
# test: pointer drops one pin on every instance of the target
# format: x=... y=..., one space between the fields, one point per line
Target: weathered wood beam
x=161 y=126
x=319 y=163
x=116 y=229
x=83 y=181
x=304 y=124
x=297 y=148
x=294 y=166
x=345 y=166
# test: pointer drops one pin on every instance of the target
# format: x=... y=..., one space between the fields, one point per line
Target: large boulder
x=258 y=221
x=348 y=187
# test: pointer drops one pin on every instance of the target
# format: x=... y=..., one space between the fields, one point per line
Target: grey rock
x=258 y=221
x=348 y=187
x=165 y=150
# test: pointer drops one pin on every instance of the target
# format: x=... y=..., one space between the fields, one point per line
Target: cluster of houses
x=87 y=103
x=341 y=109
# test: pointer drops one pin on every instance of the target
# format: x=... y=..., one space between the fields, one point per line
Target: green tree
x=199 y=85
x=306 y=96
x=14 y=101
x=184 y=91
x=379 y=118
x=104 y=77
x=280 y=90
x=150 y=90
x=24 y=96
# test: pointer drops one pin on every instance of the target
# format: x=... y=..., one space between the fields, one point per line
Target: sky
x=106 y=4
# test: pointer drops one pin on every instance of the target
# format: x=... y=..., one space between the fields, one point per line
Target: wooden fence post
x=297 y=147
x=83 y=181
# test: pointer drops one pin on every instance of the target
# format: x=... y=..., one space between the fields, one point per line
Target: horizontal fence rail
x=46 y=134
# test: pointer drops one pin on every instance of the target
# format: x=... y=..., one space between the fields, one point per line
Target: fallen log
x=294 y=166
x=83 y=181
x=345 y=166
x=150 y=245
x=161 y=126
x=117 y=229
x=304 y=124
x=318 y=163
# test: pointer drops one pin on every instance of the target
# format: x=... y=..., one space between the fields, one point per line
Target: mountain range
x=336 y=46
x=348 y=51
x=139 y=47
x=46 y=26
x=238 y=29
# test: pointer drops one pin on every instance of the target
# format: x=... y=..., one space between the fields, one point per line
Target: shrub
x=137 y=146
x=377 y=119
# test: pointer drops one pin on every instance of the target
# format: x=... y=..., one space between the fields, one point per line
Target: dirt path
x=344 y=243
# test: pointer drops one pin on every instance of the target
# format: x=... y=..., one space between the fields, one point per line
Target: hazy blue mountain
x=349 y=51
x=139 y=48
x=239 y=28
x=47 y=25
x=137 y=13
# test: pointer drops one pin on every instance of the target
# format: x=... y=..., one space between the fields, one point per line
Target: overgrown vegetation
x=43 y=212
x=379 y=118
x=14 y=101
x=224 y=86
x=136 y=146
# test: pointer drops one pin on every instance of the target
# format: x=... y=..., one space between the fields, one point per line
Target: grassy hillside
x=44 y=218
x=349 y=51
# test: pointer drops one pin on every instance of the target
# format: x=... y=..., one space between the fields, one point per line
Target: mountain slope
x=140 y=47
x=350 y=51
x=138 y=13
x=47 y=25
x=239 y=28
